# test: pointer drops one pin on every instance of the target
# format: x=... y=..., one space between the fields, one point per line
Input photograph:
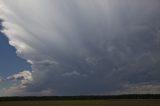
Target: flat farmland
x=118 y=102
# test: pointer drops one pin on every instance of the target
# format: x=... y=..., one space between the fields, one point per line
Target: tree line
x=41 y=98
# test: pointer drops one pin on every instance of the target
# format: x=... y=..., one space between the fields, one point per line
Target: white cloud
x=25 y=77
x=17 y=84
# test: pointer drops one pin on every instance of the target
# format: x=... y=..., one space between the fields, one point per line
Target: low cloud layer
x=80 y=47
x=1 y=79
x=141 y=88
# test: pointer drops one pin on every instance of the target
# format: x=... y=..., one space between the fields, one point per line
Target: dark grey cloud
x=1 y=79
x=86 y=47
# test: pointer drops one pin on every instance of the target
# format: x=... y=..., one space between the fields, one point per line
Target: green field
x=83 y=103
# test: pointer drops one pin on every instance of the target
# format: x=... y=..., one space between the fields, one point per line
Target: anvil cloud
x=85 y=47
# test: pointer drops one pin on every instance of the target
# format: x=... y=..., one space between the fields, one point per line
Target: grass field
x=83 y=103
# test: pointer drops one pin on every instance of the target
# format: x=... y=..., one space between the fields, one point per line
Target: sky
x=10 y=63
x=79 y=47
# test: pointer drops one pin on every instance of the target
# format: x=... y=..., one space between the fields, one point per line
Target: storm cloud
x=1 y=79
x=85 y=47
